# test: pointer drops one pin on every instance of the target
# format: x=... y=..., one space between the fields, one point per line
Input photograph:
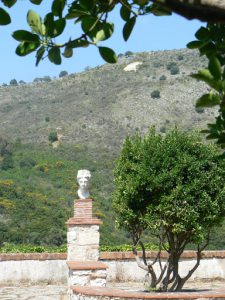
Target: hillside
x=92 y=112
x=105 y=102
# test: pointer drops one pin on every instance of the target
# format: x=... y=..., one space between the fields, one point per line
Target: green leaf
x=87 y=4
x=25 y=36
x=4 y=17
x=54 y=28
x=215 y=67
x=125 y=13
x=34 y=21
x=54 y=55
x=194 y=45
x=59 y=27
x=212 y=136
x=9 y=3
x=105 y=32
x=208 y=100
x=128 y=27
x=207 y=49
x=68 y=52
x=88 y=23
x=25 y=48
x=202 y=34
x=78 y=43
x=108 y=54
x=37 y=2
x=39 y=55
x=76 y=11
x=57 y=7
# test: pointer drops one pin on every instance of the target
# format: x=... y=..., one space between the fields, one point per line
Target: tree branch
x=203 y=10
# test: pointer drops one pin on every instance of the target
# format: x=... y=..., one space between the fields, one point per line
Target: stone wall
x=52 y=268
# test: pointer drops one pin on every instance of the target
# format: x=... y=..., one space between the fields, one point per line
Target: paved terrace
x=193 y=290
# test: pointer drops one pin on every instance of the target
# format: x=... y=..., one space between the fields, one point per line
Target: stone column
x=85 y=269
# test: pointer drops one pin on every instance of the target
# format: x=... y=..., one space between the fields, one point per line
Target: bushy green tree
x=53 y=136
x=155 y=94
x=6 y=160
x=170 y=187
x=13 y=82
x=63 y=74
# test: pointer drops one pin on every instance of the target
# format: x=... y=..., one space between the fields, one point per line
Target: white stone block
x=71 y=237
x=82 y=252
x=98 y=282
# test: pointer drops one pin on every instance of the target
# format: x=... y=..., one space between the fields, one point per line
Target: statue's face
x=83 y=182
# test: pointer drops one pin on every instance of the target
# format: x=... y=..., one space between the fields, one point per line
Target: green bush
x=174 y=70
x=27 y=162
x=27 y=248
x=180 y=57
x=170 y=65
x=13 y=82
x=63 y=74
x=53 y=136
x=155 y=94
x=163 y=77
x=199 y=110
x=128 y=53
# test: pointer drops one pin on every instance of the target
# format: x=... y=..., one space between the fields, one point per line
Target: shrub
x=13 y=82
x=199 y=110
x=7 y=162
x=155 y=94
x=174 y=70
x=27 y=162
x=157 y=64
x=53 y=136
x=46 y=79
x=37 y=79
x=128 y=53
x=163 y=77
x=63 y=74
x=170 y=65
x=180 y=57
x=47 y=119
x=162 y=129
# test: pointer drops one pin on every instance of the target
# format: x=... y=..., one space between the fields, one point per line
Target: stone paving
x=28 y=292
x=58 y=292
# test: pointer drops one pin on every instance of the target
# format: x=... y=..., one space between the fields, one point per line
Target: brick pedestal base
x=83 y=248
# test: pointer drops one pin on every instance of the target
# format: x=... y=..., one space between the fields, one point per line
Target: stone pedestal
x=83 y=247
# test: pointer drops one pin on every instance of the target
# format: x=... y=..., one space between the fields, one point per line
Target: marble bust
x=83 y=179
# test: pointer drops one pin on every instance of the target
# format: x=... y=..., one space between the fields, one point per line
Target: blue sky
x=150 y=34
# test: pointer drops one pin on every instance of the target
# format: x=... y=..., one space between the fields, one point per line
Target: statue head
x=83 y=179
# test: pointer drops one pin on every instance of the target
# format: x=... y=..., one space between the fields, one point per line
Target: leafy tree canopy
x=171 y=188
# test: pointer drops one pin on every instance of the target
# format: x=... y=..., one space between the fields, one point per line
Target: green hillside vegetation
x=36 y=195
x=87 y=115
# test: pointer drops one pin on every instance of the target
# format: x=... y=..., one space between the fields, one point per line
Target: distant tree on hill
x=174 y=70
x=13 y=82
x=63 y=73
x=53 y=136
x=6 y=160
x=155 y=94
